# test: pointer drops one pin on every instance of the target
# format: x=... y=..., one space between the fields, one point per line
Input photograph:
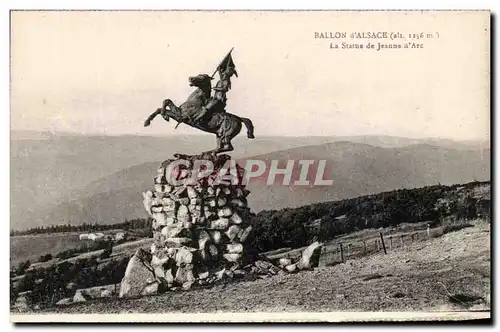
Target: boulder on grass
x=291 y=268
x=23 y=302
x=150 y=289
x=86 y=294
x=81 y=297
x=65 y=301
x=285 y=261
x=138 y=275
x=310 y=256
x=264 y=268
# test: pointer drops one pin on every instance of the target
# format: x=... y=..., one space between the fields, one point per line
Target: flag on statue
x=226 y=63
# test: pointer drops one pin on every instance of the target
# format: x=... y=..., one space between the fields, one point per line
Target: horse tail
x=248 y=123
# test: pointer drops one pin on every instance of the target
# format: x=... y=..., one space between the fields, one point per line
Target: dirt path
x=451 y=272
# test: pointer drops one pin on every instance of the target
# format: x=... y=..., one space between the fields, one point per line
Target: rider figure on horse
x=218 y=101
x=205 y=112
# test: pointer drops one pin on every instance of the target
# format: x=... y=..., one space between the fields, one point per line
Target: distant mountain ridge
x=361 y=169
x=356 y=168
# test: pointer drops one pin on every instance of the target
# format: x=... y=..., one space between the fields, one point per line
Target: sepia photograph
x=250 y=166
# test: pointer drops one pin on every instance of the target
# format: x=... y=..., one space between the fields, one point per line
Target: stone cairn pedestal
x=202 y=230
x=201 y=227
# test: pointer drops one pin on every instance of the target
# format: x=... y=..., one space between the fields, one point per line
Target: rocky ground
x=446 y=273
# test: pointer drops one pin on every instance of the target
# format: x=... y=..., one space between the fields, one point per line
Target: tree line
x=292 y=227
x=133 y=224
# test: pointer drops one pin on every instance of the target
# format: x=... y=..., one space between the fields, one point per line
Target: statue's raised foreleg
x=172 y=110
x=167 y=107
x=152 y=116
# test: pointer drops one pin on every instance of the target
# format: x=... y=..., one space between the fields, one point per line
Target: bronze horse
x=224 y=125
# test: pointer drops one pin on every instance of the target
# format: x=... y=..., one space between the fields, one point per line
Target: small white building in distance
x=96 y=236
x=92 y=236
x=84 y=236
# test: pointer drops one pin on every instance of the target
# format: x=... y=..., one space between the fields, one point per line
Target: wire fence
x=340 y=251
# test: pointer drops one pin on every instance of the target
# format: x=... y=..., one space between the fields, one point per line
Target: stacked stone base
x=201 y=224
x=202 y=230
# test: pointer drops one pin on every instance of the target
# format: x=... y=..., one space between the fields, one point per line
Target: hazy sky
x=105 y=72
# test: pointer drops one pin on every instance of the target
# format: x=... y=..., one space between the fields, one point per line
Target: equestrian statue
x=206 y=112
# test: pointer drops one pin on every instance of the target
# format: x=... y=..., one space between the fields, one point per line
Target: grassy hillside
x=349 y=221
x=31 y=247
x=447 y=273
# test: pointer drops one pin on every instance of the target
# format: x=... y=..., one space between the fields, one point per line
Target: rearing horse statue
x=224 y=125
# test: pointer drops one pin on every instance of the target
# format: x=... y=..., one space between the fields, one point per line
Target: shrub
x=65 y=254
x=13 y=294
x=45 y=258
x=21 y=268
x=106 y=253
x=26 y=283
x=83 y=248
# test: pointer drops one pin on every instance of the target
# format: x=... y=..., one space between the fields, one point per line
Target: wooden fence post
x=390 y=244
x=341 y=253
x=383 y=243
x=402 y=240
x=364 y=247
